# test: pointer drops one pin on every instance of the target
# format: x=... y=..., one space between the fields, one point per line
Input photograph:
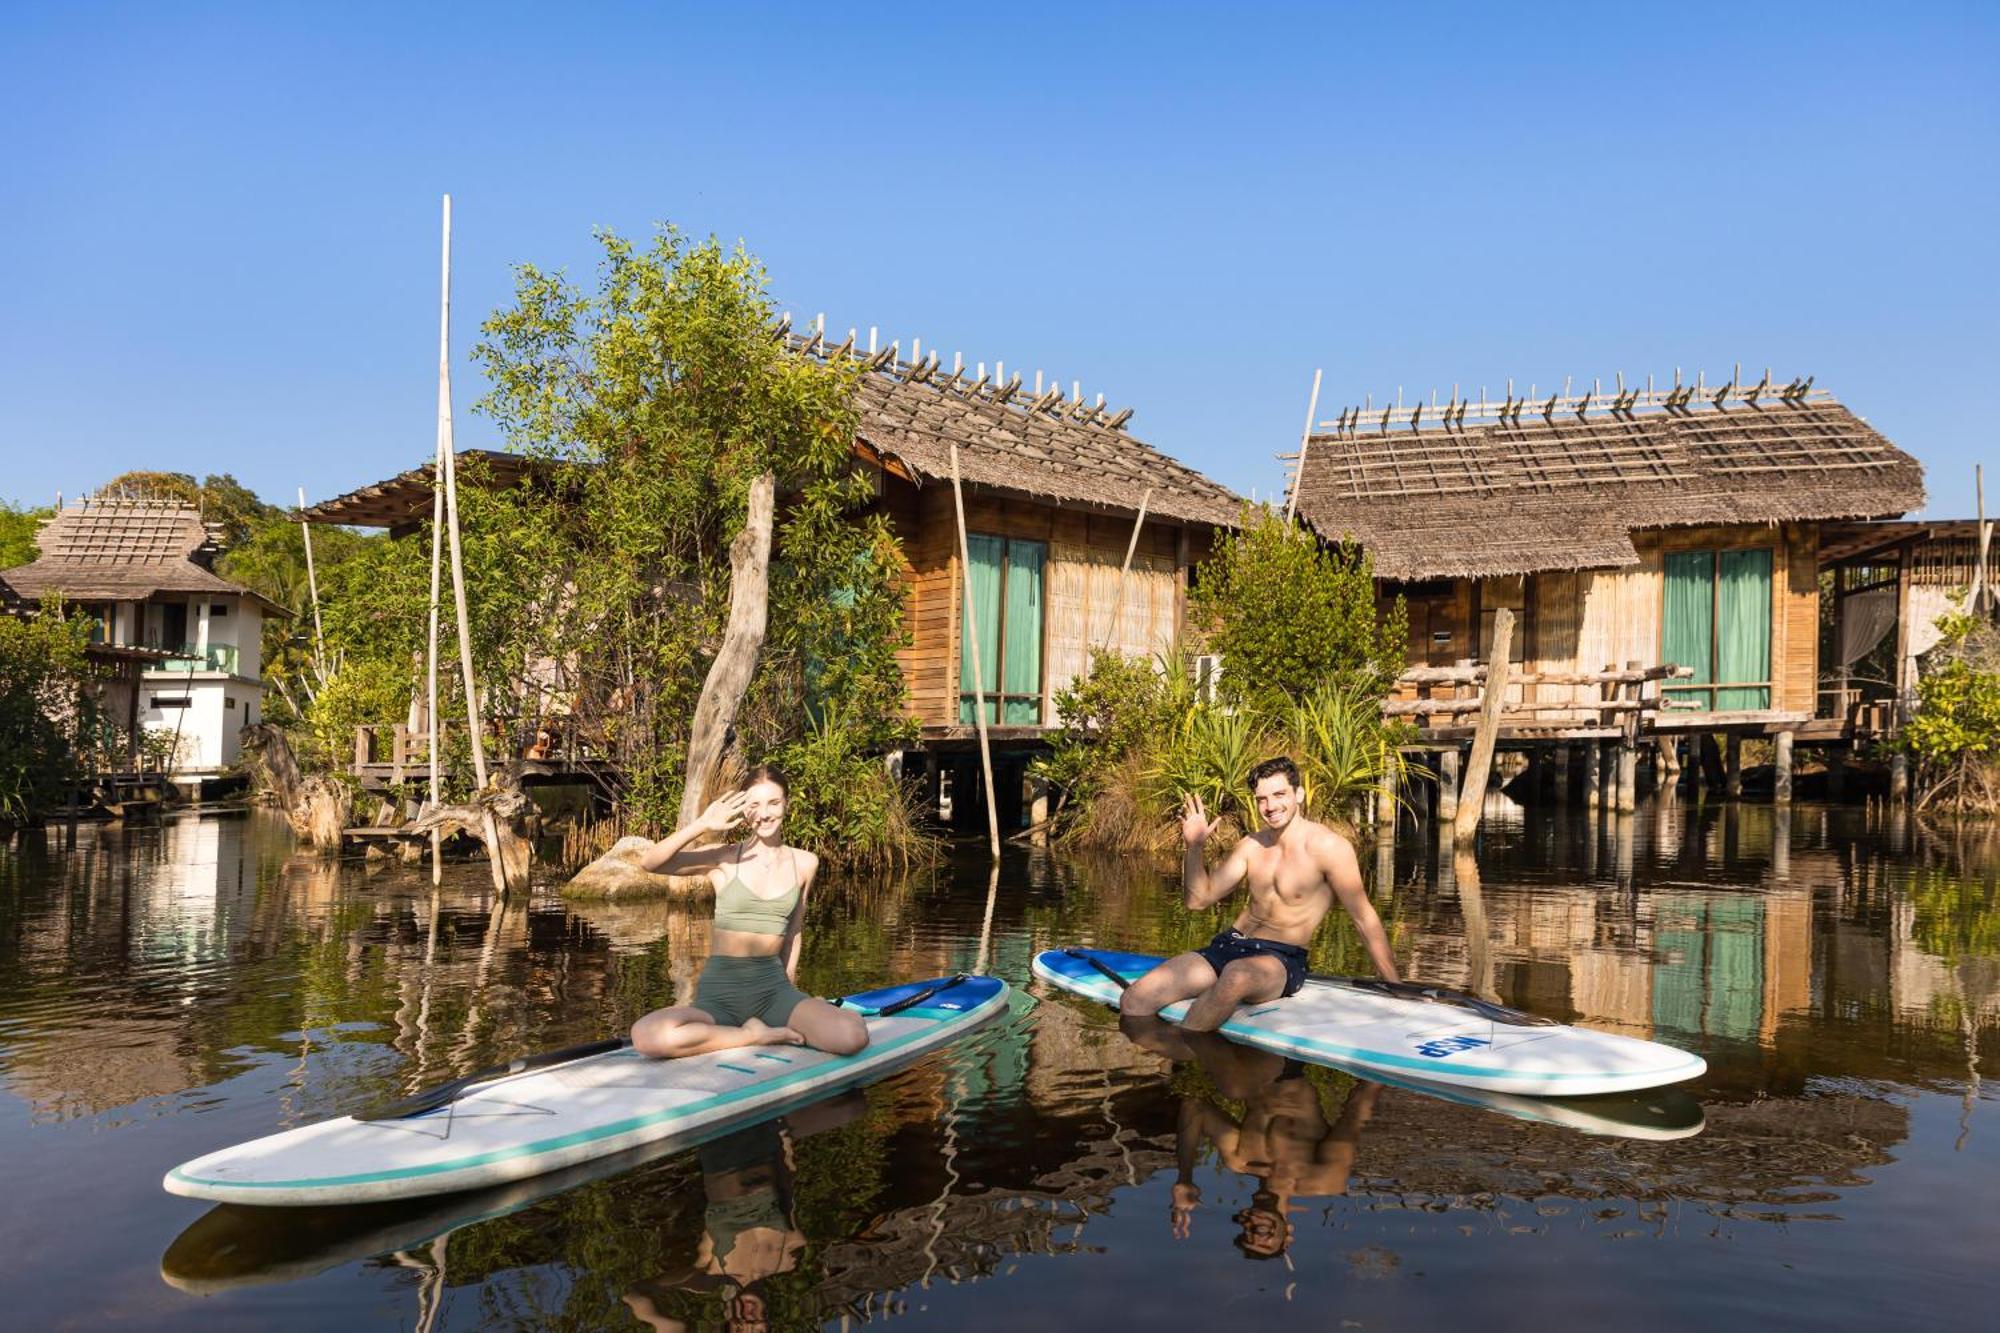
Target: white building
x=144 y=570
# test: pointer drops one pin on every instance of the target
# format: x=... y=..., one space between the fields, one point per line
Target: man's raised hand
x=1195 y=825
x=724 y=813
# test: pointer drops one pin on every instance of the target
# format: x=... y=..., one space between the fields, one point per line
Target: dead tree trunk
x=729 y=675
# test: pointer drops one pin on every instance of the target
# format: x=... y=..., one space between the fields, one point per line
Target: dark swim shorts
x=1231 y=945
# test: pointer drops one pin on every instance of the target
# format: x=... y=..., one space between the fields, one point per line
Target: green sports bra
x=737 y=908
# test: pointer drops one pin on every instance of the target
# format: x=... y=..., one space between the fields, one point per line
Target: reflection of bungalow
x=1054 y=489
x=1676 y=527
x=144 y=570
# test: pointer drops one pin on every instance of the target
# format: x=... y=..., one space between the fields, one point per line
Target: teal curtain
x=1680 y=962
x=982 y=611
x=1021 y=671
x=1687 y=635
x=1743 y=627
x=1736 y=967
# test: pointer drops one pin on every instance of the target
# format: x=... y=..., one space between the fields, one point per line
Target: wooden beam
x=1472 y=796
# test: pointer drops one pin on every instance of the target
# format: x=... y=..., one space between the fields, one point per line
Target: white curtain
x=1864 y=619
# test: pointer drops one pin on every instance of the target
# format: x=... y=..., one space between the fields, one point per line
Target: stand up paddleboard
x=1408 y=1030
x=557 y=1111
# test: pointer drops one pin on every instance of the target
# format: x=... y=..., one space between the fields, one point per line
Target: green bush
x=1953 y=734
x=47 y=709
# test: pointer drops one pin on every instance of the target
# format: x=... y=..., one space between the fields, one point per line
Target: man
x=1297 y=869
x=1282 y=1138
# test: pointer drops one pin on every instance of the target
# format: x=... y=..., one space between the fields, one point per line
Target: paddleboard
x=1371 y=1027
x=547 y=1119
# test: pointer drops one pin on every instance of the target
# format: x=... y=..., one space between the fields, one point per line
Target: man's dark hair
x=1272 y=768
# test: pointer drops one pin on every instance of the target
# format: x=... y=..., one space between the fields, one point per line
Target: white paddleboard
x=547 y=1119
x=1443 y=1041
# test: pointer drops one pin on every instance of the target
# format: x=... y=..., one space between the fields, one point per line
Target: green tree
x=1289 y=615
x=46 y=709
x=18 y=525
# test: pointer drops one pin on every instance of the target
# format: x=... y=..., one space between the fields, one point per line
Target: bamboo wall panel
x=1797 y=593
x=1083 y=600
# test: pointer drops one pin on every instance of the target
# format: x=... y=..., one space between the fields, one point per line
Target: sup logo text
x=1437 y=1048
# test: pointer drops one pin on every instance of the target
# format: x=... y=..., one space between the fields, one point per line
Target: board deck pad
x=549 y=1119
x=1350 y=1027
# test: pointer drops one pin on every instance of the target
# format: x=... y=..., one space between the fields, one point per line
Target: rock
x=616 y=874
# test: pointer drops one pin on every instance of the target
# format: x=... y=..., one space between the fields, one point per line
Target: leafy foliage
x=1288 y=614
x=47 y=714
x=18 y=525
x=1954 y=732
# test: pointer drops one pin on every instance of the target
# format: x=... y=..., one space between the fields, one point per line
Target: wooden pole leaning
x=312 y=590
x=495 y=853
x=970 y=638
x=1305 y=440
x=1472 y=796
x=1125 y=570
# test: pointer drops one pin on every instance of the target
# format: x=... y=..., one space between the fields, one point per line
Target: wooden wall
x=1582 y=620
x=1080 y=582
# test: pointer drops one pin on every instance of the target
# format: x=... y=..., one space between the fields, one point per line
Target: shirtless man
x=1297 y=869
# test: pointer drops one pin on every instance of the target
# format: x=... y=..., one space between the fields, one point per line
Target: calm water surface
x=167 y=991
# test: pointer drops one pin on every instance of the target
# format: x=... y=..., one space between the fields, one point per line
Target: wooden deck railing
x=1625 y=696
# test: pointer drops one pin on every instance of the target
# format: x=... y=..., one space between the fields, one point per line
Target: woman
x=748 y=994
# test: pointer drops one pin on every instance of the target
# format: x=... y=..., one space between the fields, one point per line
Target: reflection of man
x=1296 y=869
x=750 y=1234
x=1283 y=1138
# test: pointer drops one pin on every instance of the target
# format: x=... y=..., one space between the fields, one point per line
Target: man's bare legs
x=686 y=1030
x=1189 y=976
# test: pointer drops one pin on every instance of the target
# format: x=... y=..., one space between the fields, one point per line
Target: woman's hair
x=770 y=773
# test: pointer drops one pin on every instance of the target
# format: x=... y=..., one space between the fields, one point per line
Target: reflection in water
x=164 y=991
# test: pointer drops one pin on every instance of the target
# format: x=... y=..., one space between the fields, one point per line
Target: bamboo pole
x=434 y=794
x=1472 y=796
x=312 y=589
x=1305 y=437
x=495 y=855
x=970 y=638
x=1125 y=570
x=1979 y=590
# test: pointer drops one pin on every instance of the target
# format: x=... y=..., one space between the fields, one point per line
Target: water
x=167 y=991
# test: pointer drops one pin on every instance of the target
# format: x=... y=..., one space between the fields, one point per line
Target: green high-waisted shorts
x=733 y=989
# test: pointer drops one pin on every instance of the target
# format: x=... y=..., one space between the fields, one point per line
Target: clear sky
x=221 y=220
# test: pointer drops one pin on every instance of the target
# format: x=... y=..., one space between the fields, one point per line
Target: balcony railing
x=215 y=657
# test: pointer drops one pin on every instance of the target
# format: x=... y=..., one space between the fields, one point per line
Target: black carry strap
x=908 y=1001
x=446 y=1093
x=1431 y=993
x=1100 y=965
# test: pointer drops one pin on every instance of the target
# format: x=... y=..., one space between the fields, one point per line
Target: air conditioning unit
x=1207 y=671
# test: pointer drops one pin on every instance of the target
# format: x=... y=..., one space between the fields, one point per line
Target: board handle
x=430 y=1099
x=1432 y=993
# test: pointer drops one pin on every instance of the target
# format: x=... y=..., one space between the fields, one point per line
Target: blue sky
x=221 y=221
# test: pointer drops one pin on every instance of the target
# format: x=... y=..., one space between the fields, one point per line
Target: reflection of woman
x=748 y=993
x=750 y=1233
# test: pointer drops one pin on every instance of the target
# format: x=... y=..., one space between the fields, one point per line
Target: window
x=170 y=701
x=1003 y=602
x=1717 y=619
x=217 y=609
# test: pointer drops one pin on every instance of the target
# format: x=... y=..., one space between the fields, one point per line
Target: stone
x=616 y=874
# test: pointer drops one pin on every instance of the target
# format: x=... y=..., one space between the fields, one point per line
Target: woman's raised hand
x=724 y=813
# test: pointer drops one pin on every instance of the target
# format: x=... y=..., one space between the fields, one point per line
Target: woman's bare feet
x=761 y=1033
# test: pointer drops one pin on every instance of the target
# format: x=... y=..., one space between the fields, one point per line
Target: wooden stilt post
x=1899 y=777
x=969 y=636
x=1472 y=795
x=1447 y=769
x=495 y=853
x=1781 y=769
x=1628 y=746
x=1565 y=778
x=1593 y=774
x=1670 y=761
x=1385 y=801
x=1711 y=762
x=1732 y=765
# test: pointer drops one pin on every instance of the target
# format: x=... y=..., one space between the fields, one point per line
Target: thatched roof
x=1524 y=491
x=1045 y=446
x=402 y=504
x=124 y=551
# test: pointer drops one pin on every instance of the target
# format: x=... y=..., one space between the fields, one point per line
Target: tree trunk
x=729 y=676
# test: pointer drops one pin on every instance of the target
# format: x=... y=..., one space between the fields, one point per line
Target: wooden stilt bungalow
x=1636 y=528
x=1079 y=537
